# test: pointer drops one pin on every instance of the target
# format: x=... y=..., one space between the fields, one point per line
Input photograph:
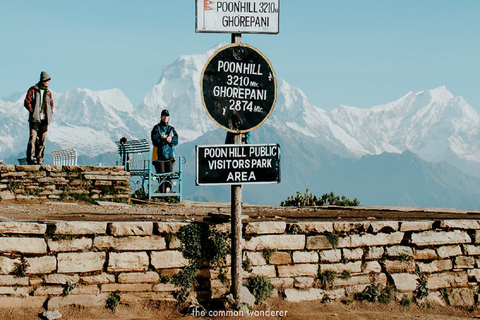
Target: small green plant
x=217 y=248
x=110 y=191
x=260 y=287
x=171 y=199
x=347 y=301
x=73 y=170
x=387 y=294
x=191 y=239
x=21 y=268
x=345 y=275
x=13 y=185
x=327 y=278
x=169 y=237
x=113 y=300
x=445 y=295
x=247 y=265
x=333 y=238
x=198 y=243
x=326 y=298
x=182 y=294
x=267 y=254
x=86 y=184
x=374 y=293
x=82 y=197
x=65 y=192
x=140 y=194
x=60 y=237
x=421 y=291
x=32 y=192
x=186 y=277
x=294 y=229
x=305 y=200
x=63 y=195
x=406 y=302
x=308 y=200
x=222 y=276
x=68 y=288
x=332 y=200
x=404 y=257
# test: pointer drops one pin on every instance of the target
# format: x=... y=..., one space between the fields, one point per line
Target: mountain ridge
x=433 y=124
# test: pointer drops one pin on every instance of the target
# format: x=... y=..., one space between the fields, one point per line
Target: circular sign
x=239 y=88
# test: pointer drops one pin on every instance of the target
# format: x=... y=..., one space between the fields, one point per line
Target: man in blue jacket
x=165 y=138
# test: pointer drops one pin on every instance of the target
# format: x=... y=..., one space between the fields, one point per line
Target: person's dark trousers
x=162 y=166
x=36 y=142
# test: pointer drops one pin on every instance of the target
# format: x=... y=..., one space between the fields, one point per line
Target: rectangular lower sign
x=237 y=164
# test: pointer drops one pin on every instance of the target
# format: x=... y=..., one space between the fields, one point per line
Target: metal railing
x=67 y=157
x=136 y=157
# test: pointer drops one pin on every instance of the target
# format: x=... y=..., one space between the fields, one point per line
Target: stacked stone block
x=395 y=253
x=82 y=262
x=57 y=182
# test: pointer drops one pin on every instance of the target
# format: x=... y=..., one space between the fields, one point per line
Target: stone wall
x=58 y=182
x=81 y=262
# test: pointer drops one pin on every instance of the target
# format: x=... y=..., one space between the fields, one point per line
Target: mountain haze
x=421 y=150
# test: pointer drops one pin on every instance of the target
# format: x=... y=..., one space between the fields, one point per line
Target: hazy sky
x=354 y=52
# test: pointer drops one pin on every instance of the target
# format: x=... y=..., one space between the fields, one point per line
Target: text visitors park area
x=233 y=164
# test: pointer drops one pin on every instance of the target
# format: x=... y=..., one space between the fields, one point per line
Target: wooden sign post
x=239 y=91
x=236 y=231
x=236 y=221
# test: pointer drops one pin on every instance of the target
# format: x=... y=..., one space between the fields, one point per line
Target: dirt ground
x=43 y=210
x=310 y=310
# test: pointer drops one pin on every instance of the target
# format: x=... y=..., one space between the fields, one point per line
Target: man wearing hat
x=39 y=104
x=165 y=138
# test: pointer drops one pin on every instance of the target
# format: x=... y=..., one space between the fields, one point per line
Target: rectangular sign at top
x=237 y=16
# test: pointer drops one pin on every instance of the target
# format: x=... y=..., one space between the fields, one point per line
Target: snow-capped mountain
x=433 y=124
x=179 y=91
x=89 y=121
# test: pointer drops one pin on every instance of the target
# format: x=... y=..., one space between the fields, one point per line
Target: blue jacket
x=165 y=150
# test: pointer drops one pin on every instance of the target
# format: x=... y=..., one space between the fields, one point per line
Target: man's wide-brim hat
x=44 y=77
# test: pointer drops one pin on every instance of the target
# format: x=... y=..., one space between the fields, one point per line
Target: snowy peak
x=178 y=90
x=112 y=98
x=14 y=96
x=96 y=109
x=291 y=102
x=431 y=123
x=186 y=65
x=440 y=94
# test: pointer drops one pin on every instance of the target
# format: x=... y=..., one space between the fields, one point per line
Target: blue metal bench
x=136 y=157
